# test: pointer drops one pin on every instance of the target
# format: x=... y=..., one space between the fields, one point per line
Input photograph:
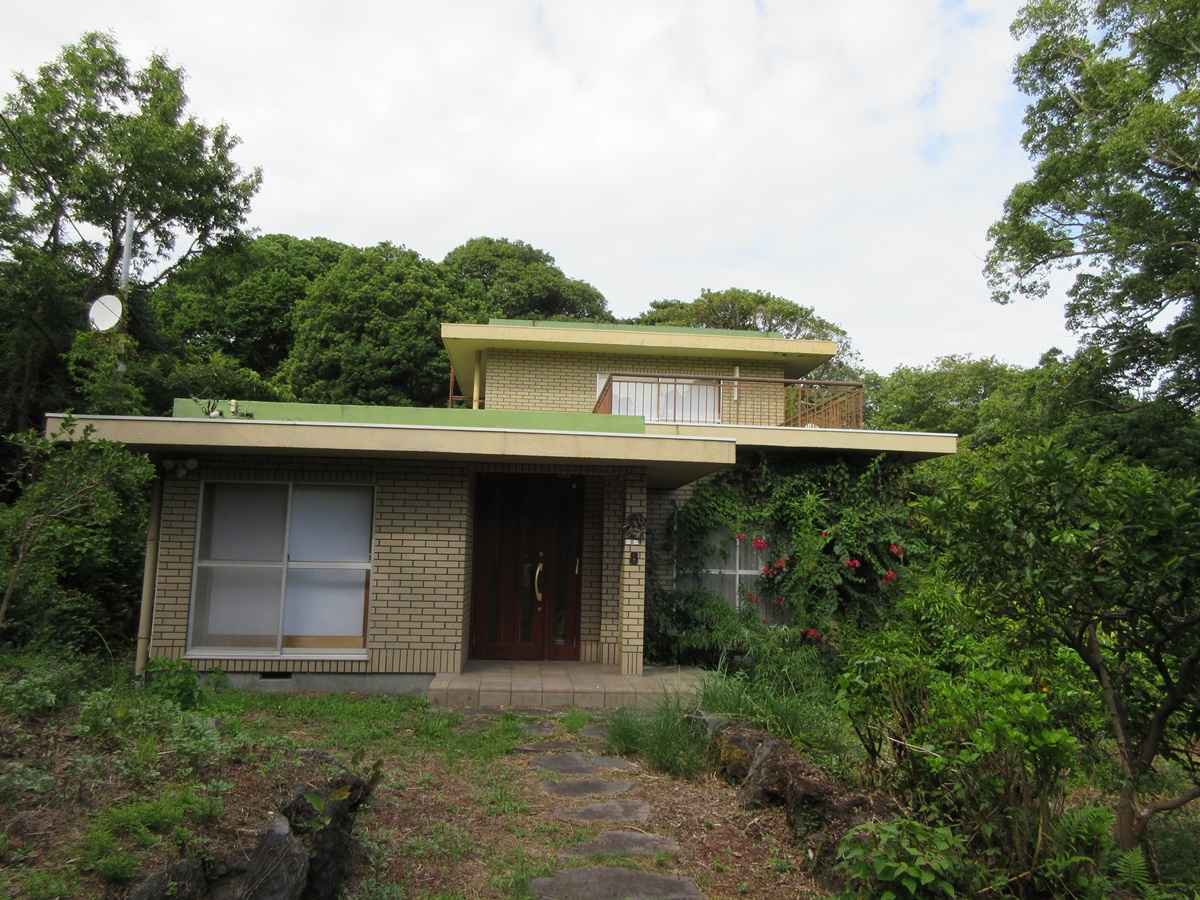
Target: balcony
x=718 y=400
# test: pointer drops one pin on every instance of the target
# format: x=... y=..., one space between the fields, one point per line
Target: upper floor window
x=282 y=567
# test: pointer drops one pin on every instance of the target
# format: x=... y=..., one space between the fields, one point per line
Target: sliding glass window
x=282 y=567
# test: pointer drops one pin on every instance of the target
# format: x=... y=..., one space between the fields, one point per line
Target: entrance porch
x=541 y=683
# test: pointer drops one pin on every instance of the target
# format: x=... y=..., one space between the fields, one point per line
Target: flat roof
x=464 y=340
x=669 y=460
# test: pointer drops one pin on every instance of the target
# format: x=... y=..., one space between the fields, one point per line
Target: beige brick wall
x=419 y=608
x=566 y=382
x=417 y=614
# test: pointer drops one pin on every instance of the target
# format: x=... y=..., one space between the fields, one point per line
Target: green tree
x=742 y=310
x=238 y=298
x=1104 y=560
x=1114 y=133
x=369 y=330
x=66 y=558
x=84 y=143
x=943 y=397
x=523 y=282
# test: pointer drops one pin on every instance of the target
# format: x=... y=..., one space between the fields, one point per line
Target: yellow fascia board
x=669 y=460
x=464 y=341
x=909 y=446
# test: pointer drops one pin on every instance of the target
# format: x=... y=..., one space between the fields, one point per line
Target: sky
x=847 y=156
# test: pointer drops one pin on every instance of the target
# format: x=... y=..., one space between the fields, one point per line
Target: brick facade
x=554 y=381
x=420 y=596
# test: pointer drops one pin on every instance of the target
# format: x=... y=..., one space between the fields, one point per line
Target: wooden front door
x=527 y=561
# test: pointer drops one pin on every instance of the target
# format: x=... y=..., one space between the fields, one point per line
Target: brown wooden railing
x=718 y=400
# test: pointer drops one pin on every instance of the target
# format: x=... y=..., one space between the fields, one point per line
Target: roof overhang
x=464 y=341
x=669 y=460
x=907 y=446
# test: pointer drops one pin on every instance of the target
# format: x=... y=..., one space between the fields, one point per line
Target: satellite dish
x=105 y=312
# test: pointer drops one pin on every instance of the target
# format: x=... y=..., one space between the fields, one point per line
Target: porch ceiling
x=669 y=460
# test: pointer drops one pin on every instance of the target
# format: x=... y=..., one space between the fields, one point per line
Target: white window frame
x=285 y=564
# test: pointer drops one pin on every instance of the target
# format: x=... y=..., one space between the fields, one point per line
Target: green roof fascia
x=501 y=419
x=612 y=326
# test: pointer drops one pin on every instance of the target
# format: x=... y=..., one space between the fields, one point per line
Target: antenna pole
x=126 y=252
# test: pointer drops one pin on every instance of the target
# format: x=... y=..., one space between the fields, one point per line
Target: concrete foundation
x=330 y=683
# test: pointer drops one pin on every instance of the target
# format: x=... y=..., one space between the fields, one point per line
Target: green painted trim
x=609 y=326
x=502 y=419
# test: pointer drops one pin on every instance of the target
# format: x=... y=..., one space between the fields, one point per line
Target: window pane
x=243 y=522
x=237 y=606
x=327 y=604
x=331 y=524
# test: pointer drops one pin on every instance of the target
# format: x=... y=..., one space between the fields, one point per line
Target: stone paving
x=531 y=684
x=579 y=775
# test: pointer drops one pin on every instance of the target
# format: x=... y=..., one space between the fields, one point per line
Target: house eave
x=464 y=342
x=669 y=460
x=902 y=445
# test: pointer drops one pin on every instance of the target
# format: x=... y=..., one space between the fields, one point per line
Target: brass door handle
x=537 y=592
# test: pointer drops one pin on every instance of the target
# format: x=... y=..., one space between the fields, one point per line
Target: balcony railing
x=714 y=400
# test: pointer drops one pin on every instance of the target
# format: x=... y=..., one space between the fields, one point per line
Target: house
x=376 y=547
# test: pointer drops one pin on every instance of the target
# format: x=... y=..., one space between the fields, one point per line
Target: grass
x=664 y=735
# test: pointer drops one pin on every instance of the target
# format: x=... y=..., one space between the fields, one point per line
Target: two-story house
x=373 y=548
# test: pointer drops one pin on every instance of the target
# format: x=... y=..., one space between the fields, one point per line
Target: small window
x=282 y=568
x=731 y=574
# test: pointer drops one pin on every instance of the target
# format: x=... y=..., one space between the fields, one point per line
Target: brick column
x=633 y=582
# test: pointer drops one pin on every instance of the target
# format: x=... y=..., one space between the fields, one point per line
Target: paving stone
x=546 y=746
x=563 y=764
x=585 y=787
x=625 y=843
x=608 y=811
x=594 y=732
x=538 y=729
x=609 y=762
x=471 y=727
x=604 y=883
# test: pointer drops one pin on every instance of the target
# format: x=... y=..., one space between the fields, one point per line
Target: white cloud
x=847 y=156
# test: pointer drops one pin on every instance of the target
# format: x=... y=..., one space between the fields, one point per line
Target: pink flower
x=759 y=544
x=897 y=550
x=890 y=577
x=741 y=537
x=764 y=621
x=813 y=634
x=824 y=534
x=753 y=597
x=853 y=563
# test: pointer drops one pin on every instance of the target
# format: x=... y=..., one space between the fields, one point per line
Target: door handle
x=537 y=592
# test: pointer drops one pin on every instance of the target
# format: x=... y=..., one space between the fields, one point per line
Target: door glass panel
x=564 y=560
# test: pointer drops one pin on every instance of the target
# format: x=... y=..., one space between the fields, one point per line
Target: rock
x=328 y=831
x=178 y=881
x=736 y=745
x=585 y=787
x=563 y=764
x=594 y=732
x=538 y=729
x=545 y=746
x=609 y=762
x=604 y=883
x=819 y=810
x=624 y=843
x=279 y=867
x=609 y=811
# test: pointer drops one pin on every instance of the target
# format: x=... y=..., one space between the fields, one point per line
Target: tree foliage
x=239 y=298
x=83 y=143
x=523 y=282
x=741 y=310
x=1104 y=560
x=369 y=330
x=945 y=396
x=1114 y=133
x=71 y=513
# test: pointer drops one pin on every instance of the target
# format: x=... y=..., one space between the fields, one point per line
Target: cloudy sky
x=846 y=155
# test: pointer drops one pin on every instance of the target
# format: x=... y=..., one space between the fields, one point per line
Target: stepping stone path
x=602 y=882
